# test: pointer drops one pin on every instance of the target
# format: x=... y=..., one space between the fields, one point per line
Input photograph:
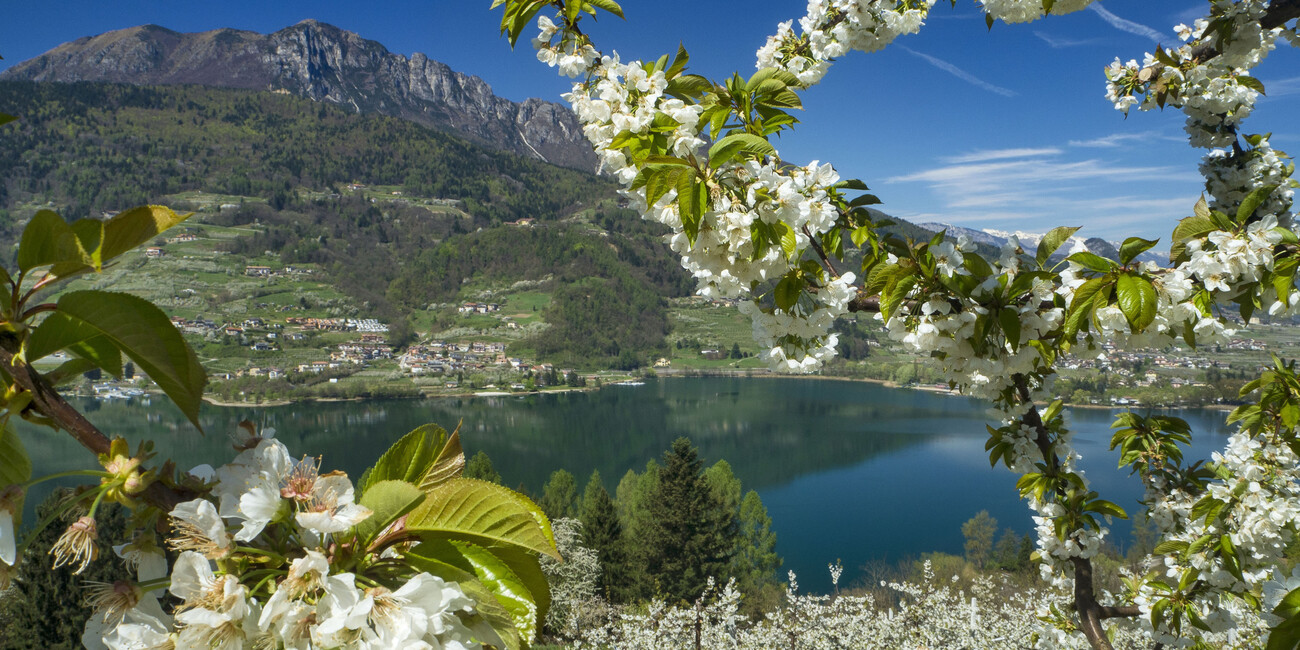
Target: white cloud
x=1128 y=25
x=1282 y=87
x=1013 y=187
x=1116 y=139
x=959 y=73
x=1000 y=154
x=1057 y=42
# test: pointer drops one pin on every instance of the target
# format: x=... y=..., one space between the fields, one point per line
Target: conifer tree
x=632 y=500
x=480 y=467
x=756 y=560
x=560 y=496
x=604 y=534
x=692 y=535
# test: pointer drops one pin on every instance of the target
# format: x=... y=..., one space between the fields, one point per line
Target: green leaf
x=865 y=199
x=1092 y=262
x=129 y=229
x=142 y=331
x=6 y=118
x=860 y=235
x=49 y=240
x=448 y=462
x=1170 y=547
x=1134 y=246
x=728 y=148
x=1253 y=201
x=1290 y=604
x=483 y=513
x=490 y=619
x=1101 y=506
x=100 y=351
x=387 y=500
x=1251 y=83
x=15 y=464
x=1286 y=636
x=658 y=178
x=1052 y=241
x=1010 y=321
x=787 y=291
x=408 y=459
x=1137 y=299
x=1081 y=304
x=608 y=5
x=526 y=603
x=692 y=203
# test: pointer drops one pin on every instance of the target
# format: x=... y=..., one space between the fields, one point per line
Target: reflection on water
x=848 y=471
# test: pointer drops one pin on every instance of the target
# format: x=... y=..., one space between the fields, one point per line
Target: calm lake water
x=850 y=471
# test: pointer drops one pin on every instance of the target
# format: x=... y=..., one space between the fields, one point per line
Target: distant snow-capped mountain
x=993 y=237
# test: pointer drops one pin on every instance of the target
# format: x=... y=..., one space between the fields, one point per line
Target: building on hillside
x=154 y=252
x=257 y=271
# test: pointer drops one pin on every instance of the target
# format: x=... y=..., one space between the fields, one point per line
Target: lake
x=851 y=471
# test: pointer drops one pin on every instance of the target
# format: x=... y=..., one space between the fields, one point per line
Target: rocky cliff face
x=327 y=64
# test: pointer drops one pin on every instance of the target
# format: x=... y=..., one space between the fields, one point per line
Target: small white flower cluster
x=311 y=605
x=625 y=98
x=833 y=28
x=1023 y=11
x=937 y=327
x=571 y=55
x=1261 y=506
x=929 y=613
x=1224 y=262
x=1230 y=177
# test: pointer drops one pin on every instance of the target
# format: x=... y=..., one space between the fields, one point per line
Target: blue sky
x=1007 y=130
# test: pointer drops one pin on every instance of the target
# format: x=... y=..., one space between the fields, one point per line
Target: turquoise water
x=849 y=471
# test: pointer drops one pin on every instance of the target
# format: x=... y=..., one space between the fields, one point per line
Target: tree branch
x=1278 y=14
x=47 y=401
x=1091 y=613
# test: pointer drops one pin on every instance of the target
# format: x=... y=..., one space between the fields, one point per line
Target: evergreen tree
x=756 y=560
x=692 y=535
x=559 y=497
x=633 y=497
x=46 y=608
x=605 y=535
x=724 y=485
x=480 y=467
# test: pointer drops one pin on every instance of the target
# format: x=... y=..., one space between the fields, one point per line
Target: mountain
x=1028 y=240
x=326 y=64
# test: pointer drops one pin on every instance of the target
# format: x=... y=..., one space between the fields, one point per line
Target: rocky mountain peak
x=325 y=63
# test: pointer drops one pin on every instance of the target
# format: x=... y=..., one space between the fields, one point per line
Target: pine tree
x=756 y=560
x=605 y=535
x=480 y=467
x=46 y=608
x=632 y=500
x=692 y=534
x=559 y=497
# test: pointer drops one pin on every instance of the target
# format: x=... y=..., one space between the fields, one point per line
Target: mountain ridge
x=323 y=63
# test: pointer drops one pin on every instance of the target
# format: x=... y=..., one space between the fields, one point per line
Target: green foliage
x=559 y=497
x=44 y=610
x=480 y=467
x=252 y=144
x=604 y=534
x=979 y=531
x=691 y=536
x=619 y=322
x=479 y=534
x=756 y=561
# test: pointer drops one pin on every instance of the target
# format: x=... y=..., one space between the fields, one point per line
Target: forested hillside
x=294 y=167
x=94 y=146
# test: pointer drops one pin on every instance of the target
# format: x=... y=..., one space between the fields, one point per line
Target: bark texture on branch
x=48 y=402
